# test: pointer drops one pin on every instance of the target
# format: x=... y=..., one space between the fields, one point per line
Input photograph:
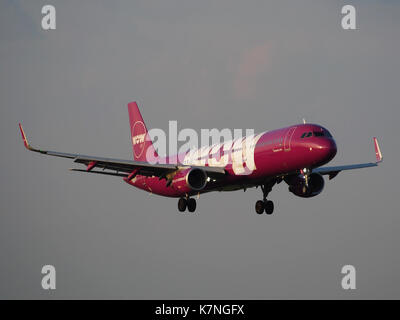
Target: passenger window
x=309 y=134
x=318 y=134
x=303 y=135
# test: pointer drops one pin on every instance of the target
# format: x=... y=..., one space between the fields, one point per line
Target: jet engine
x=191 y=179
x=297 y=185
x=196 y=179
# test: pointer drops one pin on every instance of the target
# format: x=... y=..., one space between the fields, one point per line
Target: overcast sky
x=207 y=64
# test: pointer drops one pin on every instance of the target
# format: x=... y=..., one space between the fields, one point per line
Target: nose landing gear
x=265 y=205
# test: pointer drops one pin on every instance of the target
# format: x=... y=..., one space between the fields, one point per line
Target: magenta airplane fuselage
x=276 y=152
x=293 y=154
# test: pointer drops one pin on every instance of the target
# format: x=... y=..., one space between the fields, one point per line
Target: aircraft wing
x=333 y=171
x=123 y=168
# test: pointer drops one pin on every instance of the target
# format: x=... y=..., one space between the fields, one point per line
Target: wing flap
x=124 y=165
x=101 y=172
x=333 y=171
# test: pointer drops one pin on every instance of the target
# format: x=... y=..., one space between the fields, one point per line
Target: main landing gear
x=265 y=204
x=188 y=203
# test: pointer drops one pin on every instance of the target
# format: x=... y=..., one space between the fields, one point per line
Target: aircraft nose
x=327 y=148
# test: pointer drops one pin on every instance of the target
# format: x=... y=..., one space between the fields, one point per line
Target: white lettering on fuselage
x=239 y=153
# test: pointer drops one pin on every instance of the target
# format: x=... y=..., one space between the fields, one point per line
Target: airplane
x=295 y=155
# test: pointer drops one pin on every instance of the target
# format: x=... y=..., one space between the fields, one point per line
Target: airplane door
x=288 y=138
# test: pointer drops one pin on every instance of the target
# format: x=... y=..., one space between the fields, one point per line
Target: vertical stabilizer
x=142 y=145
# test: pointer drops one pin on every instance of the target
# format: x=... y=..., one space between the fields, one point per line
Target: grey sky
x=206 y=64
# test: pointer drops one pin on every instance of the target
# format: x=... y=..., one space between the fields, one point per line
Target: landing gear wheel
x=191 y=204
x=260 y=207
x=264 y=204
x=269 y=207
x=182 y=203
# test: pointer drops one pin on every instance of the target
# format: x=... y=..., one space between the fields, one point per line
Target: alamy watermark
x=49 y=278
x=49 y=17
x=213 y=147
x=349 y=17
x=349 y=280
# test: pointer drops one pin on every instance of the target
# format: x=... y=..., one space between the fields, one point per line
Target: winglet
x=378 y=152
x=26 y=143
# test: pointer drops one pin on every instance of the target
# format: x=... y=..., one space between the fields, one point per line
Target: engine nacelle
x=193 y=179
x=297 y=185
x=196 y=179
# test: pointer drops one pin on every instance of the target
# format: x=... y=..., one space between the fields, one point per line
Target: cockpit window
x=306 y=134
x=323 y=133
x=327 y=134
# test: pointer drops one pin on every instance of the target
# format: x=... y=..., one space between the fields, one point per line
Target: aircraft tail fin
x=143 y=149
